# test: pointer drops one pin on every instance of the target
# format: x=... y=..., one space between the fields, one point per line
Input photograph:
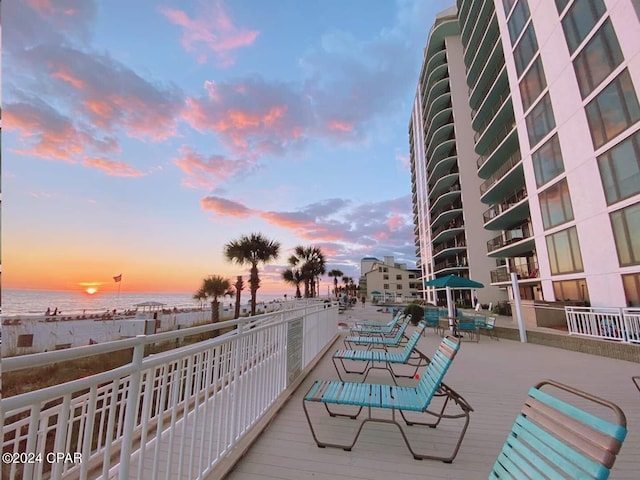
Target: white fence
x=621 y=324
x=172 y=415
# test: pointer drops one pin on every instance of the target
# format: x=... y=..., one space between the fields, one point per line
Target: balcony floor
x=493 y=376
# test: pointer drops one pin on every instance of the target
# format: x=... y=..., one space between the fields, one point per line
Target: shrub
x=416 y=311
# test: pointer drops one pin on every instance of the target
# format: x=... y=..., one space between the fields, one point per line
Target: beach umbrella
x=450 y=282
x=375 y=292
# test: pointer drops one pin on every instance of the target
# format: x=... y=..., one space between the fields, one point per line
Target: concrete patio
x=493 y=376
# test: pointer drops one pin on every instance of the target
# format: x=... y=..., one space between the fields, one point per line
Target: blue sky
x=140 y=137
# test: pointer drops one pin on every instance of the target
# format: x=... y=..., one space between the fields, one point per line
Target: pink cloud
x=251 y=117
x=340 y=126
x=48 y=134
x=223 y=206
x=212 y=30
x=209 y=172
x=112 y=168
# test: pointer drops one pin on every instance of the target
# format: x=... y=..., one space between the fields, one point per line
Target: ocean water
x=36 y=302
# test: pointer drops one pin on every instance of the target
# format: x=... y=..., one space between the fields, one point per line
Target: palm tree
x=200 y=296
x=294 y=277
x=335 y=273
x=312 y=266
x=213 y=287
x=252 y=250
x=239 y=286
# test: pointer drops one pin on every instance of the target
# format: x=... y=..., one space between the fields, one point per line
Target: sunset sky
x=141 y=136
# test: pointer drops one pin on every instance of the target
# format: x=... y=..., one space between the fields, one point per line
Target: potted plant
x=416 y=311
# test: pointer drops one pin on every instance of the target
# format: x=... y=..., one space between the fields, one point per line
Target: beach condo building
x=388 y=280
x=447 y=210
x=553 y=99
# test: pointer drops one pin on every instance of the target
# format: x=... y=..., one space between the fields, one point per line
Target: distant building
x=389 y=280
x=552 y=98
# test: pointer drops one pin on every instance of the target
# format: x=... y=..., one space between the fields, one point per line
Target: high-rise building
x=446 y=188
x=553 y=97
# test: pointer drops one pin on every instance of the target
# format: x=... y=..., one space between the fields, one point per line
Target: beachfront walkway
x=493 y=376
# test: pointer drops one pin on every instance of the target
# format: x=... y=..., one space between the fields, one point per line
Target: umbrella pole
x=450 y=309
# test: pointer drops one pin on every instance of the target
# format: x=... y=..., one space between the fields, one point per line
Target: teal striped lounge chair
x=552 y=438
x=381 y=329
x=429 y=397
x=383 y=359
x=375 y=341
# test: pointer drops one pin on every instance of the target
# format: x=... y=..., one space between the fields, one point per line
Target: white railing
x=622 y=324
x=172 y=415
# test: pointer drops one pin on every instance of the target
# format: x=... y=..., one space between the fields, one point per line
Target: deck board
x=493 y=376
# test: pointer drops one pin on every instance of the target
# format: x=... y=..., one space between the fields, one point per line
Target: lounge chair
x=384 y=329
x=409 y=402
x=555 y=439
x=383 y=359
x=489 y=326
x=378 y=341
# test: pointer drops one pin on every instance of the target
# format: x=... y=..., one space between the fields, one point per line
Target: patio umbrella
x=449 y=282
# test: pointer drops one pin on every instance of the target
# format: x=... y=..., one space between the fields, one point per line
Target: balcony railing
x=494 y=210
x=175 y=414
x=511 y=162
x=500 y=137
x=622 y=324
x=510 y=236
x=503 y=274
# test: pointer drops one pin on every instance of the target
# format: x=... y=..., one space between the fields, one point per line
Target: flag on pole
x=118 y=278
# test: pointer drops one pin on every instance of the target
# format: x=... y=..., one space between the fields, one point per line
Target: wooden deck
x=493 y=376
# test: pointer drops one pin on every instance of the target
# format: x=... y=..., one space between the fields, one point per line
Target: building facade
x=447 y=210
x=387 y=280
x=553 y=92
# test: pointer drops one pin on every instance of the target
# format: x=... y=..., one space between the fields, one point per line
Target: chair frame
x=383 y=359
x=552 y=437
x=378 y=341
x=375 y=399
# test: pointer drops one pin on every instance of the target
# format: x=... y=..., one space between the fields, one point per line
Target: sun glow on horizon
x=91 y=290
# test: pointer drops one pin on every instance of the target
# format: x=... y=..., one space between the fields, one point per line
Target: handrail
x=127 y=412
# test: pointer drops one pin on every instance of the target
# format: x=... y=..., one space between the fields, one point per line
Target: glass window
x=561 y=5
x=613 y=110
x=564 y=252
x=575 y=290
x=555 y=205
x=507 y=4
x=532 y=84
x=626 y=231
x=620 y=169
x=525 y=50
x=631 y=284
x=547 y=161
x=540 y=120
x=518 y=18
x=580 y=20
x=600 y=56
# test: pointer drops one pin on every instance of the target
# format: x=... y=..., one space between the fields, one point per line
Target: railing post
x=131 y=411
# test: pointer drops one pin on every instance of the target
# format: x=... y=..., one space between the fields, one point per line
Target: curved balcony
x=524 y=272
x=501 y=149
x=444 y=150
x=437 y=89
x=503 y=116
x=450 y=266
x=492 y=102
x=442 y=134
x=434 y=62
x=509 y=176
x=485 y=27
x=440 y=103
x=442 y=167
x=445 y=184
x=448 y=249
x=492 y=58
x=440 y=72
x=443 y=202
x=513 y=210
x=443 y=117
x=447 y=232
x=445 y=217
x=513 y=242
x=469 y=18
